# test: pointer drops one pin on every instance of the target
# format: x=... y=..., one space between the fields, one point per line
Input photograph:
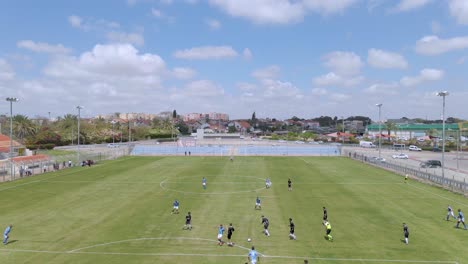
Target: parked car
x=437 y=149
x=113 y=145
x=378 y=159
x=431 y=164
x=400 y=156
x=414 y=148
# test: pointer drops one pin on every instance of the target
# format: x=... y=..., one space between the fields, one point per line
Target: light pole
x=113 y=138
x=380 y=127
x=443 y=94
x=11 y=100
x=342 y=136
x=78 y=145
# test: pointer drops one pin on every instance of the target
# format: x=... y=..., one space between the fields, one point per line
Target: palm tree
x=390 y=126
x=23 y=127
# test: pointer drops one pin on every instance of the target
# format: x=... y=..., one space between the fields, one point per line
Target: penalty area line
x=230 y=255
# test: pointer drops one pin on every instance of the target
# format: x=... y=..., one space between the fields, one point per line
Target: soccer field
x=120 y=212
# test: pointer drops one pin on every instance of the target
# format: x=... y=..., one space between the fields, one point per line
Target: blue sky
x=277 y=57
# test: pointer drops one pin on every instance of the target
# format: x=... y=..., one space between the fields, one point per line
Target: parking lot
x=454 y=168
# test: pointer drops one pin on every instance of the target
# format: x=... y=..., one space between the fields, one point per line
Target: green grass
x=130 y=200
x=56 y=152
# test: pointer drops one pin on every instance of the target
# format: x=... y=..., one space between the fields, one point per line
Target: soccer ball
x=248 y=239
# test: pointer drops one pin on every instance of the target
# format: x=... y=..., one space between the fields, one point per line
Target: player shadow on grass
x=11 y=242
x=403 y=241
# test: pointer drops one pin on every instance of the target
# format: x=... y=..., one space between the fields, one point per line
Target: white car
x=400 y=156
x=414 y=148
x=113 y=145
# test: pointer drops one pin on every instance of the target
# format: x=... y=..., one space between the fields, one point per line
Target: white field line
x=43 y=180
x=148 y=238
x=233 y=255
x=438 y=195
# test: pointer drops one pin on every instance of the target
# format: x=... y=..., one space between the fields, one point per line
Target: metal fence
x=422 y=174
x=53 y=163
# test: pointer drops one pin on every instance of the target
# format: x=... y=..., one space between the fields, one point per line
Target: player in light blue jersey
x=204 y=183
x=267 y=183
x=461 y=219
x=258 y=204
x=253 y=256
x=450 y=213
x=6 y=233
x=220 y=235
x=175 y=207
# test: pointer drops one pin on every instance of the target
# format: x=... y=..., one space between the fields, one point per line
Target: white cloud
x=383 y=89
x=6 y=71
x=75 y=21
x=247 y=54
x=386 y=60
x=263 y=11
x=433 y=45
x=280 y=11
x=123 y=37
x=425 y=75
x=183 y=73
x=206 y=52
x=332 y=79
x=270 y=72
x=319 y=91
x=91 y=24
x=42 y=47
x=213 y=24
x=111 y=62
x=407 y=5
x=459 y=10
x=278 y=89
x=201 y=88
x=246 y=87
x=329 y=6
x=339 y=97
x=343 y=63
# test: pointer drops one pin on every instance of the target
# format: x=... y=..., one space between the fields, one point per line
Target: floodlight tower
x=78 y=145
x=11 y=100
x=443 y=94
x=379 y=105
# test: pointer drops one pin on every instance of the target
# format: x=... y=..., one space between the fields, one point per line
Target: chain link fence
x=53 y=163
x=427 y=175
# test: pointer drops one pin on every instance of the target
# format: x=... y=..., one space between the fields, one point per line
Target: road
x=454 y=168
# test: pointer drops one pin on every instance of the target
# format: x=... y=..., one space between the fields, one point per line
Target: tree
x=253 y=120
x=390 y=126
x=174 y=114
x=232 y=129
x=23 y=127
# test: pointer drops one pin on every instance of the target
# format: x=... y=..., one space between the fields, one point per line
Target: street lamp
x=78 y=145
x=342 y=136
x=380 y=127
x=11 y=100
x=443 y=94
x=113 y=138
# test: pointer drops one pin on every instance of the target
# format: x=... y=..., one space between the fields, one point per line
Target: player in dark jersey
x=289 y=185
x=265 y=223
x=230 y=231
x=291 y=229
x=405 y=233
x=188 y=222
x=325 y=214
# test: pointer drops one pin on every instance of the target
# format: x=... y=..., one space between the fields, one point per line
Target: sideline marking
x=232 y=255
x=148 y=238
x=55 y=176
x=161 y=184
x=438 y=195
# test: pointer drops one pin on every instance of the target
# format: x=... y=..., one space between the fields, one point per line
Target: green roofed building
x=416 y=130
